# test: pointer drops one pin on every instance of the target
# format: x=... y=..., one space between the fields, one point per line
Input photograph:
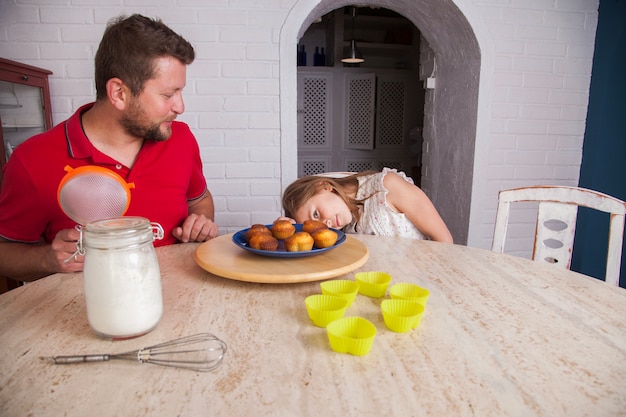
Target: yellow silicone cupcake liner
x=323 y=308
x=401 y=315
x=411 y=292
x=352 y=335
x=343 y=288
x=373 y=284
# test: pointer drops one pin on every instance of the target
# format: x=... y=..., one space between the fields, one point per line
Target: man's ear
x=118 y=93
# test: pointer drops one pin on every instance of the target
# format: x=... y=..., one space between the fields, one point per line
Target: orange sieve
x=89 y=193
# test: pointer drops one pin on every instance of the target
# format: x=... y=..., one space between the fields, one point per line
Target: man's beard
x=136 y=124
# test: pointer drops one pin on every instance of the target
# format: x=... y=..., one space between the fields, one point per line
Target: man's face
x=150 y=114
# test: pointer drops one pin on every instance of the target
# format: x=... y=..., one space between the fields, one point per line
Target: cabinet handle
x=25 y=77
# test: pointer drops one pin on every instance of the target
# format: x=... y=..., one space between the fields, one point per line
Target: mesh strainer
x=89 y=193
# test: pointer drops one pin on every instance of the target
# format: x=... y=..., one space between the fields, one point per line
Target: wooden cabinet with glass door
x=25 y=108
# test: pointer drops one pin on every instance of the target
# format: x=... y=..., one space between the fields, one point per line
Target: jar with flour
x=122 y=278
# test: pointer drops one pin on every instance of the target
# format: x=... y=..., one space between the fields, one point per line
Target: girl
x=383 y=203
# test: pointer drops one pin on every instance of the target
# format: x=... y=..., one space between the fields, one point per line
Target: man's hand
x=63 y=254
x=196 y=228
x=29 y=262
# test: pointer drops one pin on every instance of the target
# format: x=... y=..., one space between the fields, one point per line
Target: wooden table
x=501 y=336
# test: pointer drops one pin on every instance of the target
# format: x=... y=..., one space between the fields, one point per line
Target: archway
x=451 y=109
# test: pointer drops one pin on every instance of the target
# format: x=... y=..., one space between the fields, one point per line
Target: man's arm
x=199 y=225
x=29 y=262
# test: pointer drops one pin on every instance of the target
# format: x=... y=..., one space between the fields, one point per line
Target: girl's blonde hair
x=302 y=189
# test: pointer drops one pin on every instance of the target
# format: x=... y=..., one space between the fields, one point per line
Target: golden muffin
x=257 y=228
x=311 y=226
x=324 y=238
x=282 y=229
x=263 y=241
x=299 y=242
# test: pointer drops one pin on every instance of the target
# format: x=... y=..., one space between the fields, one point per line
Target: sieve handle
x=79 y=245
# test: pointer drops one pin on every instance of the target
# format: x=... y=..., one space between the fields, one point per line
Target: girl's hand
x=286 y=218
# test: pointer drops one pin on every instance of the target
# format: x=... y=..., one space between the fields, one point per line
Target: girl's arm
x=409 y=199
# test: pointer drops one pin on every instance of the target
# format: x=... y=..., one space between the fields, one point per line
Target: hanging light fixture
x=351 y=54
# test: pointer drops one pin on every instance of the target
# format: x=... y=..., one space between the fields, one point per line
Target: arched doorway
x=366 y=115
x=450 y=111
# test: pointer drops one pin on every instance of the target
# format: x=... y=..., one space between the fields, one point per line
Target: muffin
x=299 y=242
x=311 y=226
x=257 y=228
x=324 y=238
x=263 y=241
x=282 y=229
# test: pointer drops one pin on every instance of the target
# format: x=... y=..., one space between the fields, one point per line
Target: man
x=140 y=73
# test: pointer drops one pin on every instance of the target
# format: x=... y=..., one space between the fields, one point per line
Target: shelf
x=380 y=49
x=24 y=126
x=386 y=41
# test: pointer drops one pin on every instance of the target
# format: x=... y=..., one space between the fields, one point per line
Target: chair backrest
x=556 y=223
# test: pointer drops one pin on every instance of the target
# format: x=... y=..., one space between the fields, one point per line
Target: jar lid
x=117 y=224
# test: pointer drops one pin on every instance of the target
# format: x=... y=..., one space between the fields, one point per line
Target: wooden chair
x=556 y=223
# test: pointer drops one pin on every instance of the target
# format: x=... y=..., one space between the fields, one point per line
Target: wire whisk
x=201 y=352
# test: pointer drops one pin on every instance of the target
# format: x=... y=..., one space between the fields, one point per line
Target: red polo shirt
x=166 y=175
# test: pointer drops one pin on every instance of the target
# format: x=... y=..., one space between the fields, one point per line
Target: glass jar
x=122 y=278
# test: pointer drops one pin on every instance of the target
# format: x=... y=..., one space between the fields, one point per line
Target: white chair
x=556 y=223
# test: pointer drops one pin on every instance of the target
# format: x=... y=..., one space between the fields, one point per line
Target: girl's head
x=321 y=198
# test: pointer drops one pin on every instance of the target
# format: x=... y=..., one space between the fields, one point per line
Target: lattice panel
x=315 y=112
x=360 y=104
x=390 y=122
x=312 y=167
x=390 y=164
x=358 y=166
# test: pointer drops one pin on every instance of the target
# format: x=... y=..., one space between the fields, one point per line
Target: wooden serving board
x=220 y=256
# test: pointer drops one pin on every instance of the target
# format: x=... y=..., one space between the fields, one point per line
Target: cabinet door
x=396 y=114
x=22 y=114
x=314 y=122
x=391 y=118
x=360 y=93
x=24 y=105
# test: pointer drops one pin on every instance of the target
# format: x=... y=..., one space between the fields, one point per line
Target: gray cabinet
x=356 y=120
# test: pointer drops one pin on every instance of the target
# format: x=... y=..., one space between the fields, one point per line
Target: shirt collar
x=78 y=146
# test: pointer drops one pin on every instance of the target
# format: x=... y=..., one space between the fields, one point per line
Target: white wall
x=537 y=57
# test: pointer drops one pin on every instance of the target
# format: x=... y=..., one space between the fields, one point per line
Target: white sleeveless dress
x=375 y=216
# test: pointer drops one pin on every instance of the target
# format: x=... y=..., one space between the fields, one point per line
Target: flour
x=122 y=282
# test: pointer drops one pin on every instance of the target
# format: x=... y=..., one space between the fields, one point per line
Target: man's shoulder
x=43 y=142
x=181 y=134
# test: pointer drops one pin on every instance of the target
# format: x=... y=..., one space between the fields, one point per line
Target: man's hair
x=129 y=48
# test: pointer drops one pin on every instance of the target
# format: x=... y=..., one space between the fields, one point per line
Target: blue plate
x=239 y=239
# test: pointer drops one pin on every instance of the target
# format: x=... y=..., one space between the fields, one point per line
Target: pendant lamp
x=352 y=55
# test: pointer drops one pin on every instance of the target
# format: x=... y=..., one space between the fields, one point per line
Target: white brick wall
x=537 y=57
x=543 y=53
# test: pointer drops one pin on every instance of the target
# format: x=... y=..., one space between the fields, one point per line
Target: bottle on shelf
x=319 y=59
x=316 y=57
x=301 y=56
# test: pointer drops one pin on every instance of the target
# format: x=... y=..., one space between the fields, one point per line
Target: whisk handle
x=65 y=360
